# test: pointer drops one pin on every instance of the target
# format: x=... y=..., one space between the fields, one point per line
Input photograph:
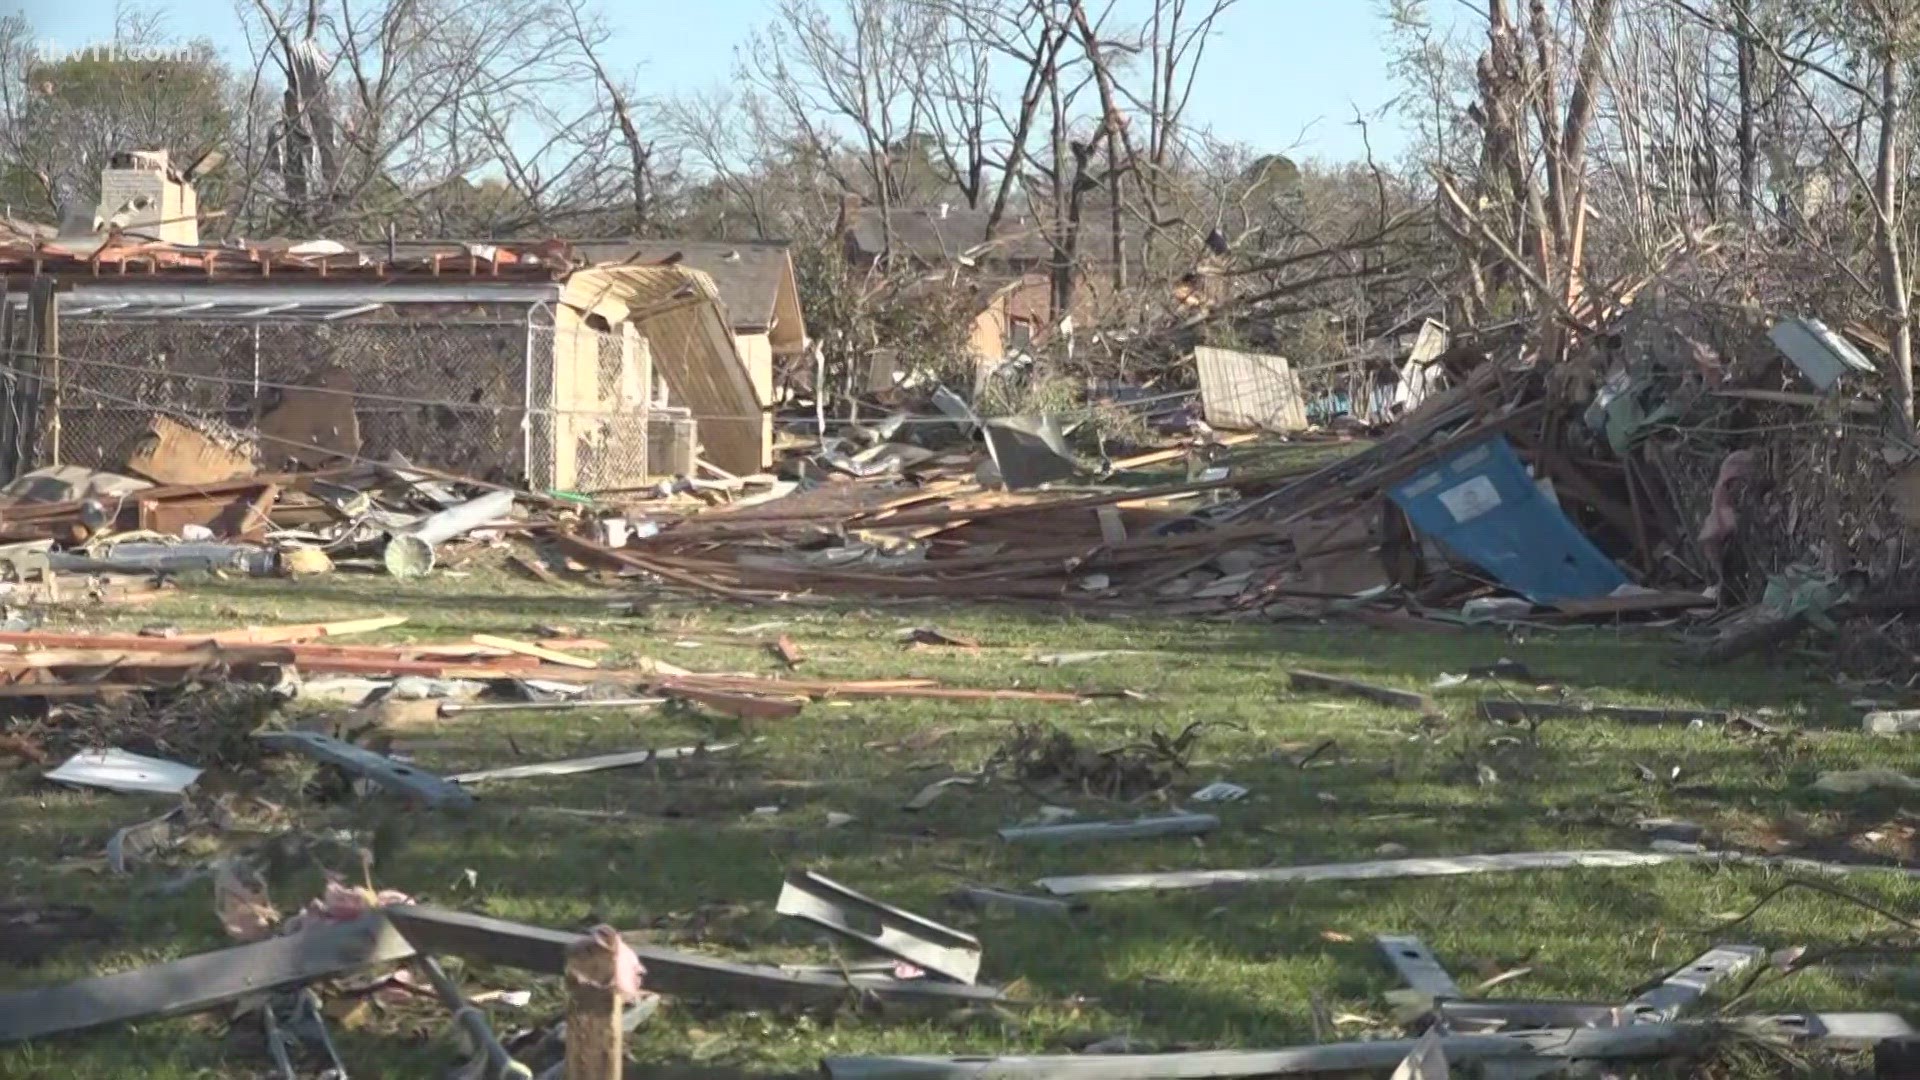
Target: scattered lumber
x=301 y=633
x=198 y=983
x=539 y=652
x=1398 y=699
x=1510 y=711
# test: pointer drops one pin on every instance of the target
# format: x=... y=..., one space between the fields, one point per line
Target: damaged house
x=1014 y=271
x=501 y=364
x=535 y=363
x=755 y=284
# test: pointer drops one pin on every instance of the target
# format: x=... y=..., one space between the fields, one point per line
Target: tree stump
x=594 y=1049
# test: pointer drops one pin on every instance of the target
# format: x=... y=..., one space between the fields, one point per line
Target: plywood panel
x=1242 y=390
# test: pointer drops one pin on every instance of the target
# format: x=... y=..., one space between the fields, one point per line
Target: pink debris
x=341 y=902
x=627 y=968
x=1722 y=519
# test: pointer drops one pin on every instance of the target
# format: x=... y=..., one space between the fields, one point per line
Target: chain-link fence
x=509 y=398
x=589 y=420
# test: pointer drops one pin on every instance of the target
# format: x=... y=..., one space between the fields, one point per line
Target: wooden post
x=594 y=1050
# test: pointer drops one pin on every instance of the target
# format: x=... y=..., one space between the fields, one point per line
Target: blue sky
x=1281 y=75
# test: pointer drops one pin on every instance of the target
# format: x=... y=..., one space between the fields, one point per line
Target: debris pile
x=1686 y=459
x=1672 y=465
x=1667 y=467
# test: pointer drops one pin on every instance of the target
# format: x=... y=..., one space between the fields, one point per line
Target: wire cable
x=496 y=408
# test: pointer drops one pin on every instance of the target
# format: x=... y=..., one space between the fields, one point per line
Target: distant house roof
x=750 y=274
x=934 y=234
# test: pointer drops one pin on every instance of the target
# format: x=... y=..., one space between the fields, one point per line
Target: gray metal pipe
x=500 y=1064
x=170 y=558
x=410 y=551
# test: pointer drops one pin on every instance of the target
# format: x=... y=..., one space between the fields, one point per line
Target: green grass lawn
x=684 y=859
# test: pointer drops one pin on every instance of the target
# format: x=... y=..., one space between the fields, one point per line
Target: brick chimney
x=142 y=194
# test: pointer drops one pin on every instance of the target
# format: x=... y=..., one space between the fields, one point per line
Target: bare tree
x=61 y=118
x=589 y=35
x=389 y=104
x=744 y=162
x=856 y=74
x=1028 y=34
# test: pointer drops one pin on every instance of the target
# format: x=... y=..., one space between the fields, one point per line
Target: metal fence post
x=46 y=305
x=526 y=399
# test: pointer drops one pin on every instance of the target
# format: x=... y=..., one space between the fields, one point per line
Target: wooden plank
x=534 y=568
x=1640 y=604
x=38 y=639
x=1399 y=699
x=52 y=514
x=577 y=644
x=810 y=687
x=330 y=659
x=171 y=452
x=1371 y=483
x=587 y=549
x=257 y=518
x=353 y=665
x=784 y=650
x=742 y=706
x=1175 y=453
x=903 y=688
x=1510 y=711
x=303 y=632
x=791 y=578
x=199 y=983
x=157 y=669
x=538 y=652
x=227 y=517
